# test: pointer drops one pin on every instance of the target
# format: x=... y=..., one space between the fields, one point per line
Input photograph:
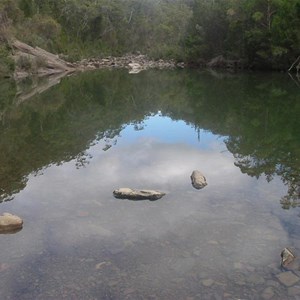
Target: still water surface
x=64 y=151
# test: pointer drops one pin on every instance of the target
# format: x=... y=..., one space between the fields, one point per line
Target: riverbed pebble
x=208 y=282
x=267 y=293
x=288 y=278
x=255 y=279
x=294 y=291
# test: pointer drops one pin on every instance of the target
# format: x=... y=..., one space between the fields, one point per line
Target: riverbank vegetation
x=262 y=34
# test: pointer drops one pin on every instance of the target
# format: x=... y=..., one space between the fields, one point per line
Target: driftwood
x=127 y=193
x=294 y=63
x=51 y=63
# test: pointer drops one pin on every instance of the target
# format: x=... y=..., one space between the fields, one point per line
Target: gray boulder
x=198 y=180
x=127 y=193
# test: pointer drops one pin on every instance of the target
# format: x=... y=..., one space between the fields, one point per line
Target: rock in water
x=135 y=68
x=10 y=223
x=198 y=180
x=288 y=278
x=287 y=257
x=127 y=193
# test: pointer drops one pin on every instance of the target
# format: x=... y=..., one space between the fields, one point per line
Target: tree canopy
x=263 y=33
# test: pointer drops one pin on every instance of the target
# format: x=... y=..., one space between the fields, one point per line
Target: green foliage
x=46 y=26
x=24 y=63
x=104 y=27
x=257 y=16
x=208 y=28
x=9 y=11
x=7 y=64
x=29 y=63
x=10 y=14
x=40 y=30
x=264 y=33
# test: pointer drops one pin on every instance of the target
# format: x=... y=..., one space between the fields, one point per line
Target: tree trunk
x=297 y=61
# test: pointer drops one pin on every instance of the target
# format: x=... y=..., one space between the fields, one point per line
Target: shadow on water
x=257 y=115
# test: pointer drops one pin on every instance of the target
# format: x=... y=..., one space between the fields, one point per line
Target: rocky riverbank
x=39 y=62
x=134 y=63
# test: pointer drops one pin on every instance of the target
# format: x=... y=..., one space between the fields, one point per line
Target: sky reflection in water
x=79 y=242
x=164 y=129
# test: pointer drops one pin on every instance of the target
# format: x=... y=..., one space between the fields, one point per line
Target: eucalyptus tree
x=272 y=33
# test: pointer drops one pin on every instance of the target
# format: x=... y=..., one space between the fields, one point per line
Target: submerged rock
x=10 y=223
x=127 y=193
x=198 y=180
x=288 y=278
x=294 y=291
x=208 y=282
x=267 y=293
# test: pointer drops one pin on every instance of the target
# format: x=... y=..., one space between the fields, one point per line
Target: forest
x=263 y=34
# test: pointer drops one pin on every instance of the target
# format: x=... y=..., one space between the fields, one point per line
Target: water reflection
x=258 y=116
x=66 y=150
x=93 y=246
x=13 y=231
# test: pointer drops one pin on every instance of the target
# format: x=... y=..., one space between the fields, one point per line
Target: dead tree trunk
x=295 y=64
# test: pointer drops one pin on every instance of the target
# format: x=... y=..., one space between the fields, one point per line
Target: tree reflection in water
x=257 y=113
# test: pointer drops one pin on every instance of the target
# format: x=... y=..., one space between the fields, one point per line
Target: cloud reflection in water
x=73 y=211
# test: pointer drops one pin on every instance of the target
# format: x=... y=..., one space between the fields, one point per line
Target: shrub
x=7 y=64
x=24 y=63
x=46 y=27
x=41 y=31
x=40 y=62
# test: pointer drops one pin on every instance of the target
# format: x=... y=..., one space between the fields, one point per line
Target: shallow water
x=64 y=151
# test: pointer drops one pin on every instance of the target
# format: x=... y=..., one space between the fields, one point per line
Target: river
x=65 y=150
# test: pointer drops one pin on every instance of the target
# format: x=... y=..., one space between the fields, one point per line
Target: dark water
x=64 y=151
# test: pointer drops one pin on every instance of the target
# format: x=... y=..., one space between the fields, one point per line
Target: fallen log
x=50 y=63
